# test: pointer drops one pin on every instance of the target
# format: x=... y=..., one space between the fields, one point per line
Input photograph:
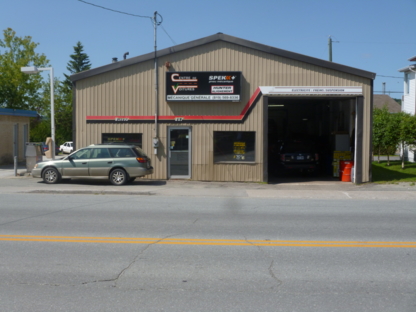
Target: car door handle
x=110 y=162
x=84 y=163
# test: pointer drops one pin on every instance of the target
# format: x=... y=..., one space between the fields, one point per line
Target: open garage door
x=308 y=136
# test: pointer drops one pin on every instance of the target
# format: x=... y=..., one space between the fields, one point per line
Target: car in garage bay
x=298 y=155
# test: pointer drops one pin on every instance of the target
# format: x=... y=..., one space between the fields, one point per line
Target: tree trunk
x=379 y=154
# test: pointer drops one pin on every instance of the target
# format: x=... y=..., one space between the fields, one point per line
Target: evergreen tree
x=78 y=63
x=63 y=94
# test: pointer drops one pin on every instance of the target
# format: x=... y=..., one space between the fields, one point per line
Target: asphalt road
x=77 y=252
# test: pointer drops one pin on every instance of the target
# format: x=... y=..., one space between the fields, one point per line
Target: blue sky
x=373 y=35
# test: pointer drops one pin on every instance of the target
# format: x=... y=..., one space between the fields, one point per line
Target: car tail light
x=282 y=157
x=141 y=160
x=316 y=156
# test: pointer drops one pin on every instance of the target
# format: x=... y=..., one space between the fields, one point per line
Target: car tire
x=118 y=177
x=51 y=175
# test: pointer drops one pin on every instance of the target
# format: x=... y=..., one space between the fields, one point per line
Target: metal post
x=15 y=166
x=156 y=137
x=52 y=112
x=330 y=48
x=35 y=70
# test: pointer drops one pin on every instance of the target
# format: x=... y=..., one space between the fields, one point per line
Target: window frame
x=123 y=138
x=406 y=83
x=234 y=148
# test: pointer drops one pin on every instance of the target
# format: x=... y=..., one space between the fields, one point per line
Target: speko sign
x=203 y=86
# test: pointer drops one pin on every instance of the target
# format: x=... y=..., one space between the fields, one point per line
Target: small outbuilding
x=14 y=125
x=214 y=109
x=384 y=100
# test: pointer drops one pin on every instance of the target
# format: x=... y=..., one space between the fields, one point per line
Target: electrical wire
x=135 y=15
x=390 y=76
x=173 y=41
x=99 y=6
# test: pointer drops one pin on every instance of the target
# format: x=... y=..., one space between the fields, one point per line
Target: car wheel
x=118 y=177
x=51 y=176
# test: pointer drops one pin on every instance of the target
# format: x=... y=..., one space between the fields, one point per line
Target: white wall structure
x=409 y=99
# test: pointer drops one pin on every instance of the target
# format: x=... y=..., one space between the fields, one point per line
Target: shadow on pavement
x=98 y=181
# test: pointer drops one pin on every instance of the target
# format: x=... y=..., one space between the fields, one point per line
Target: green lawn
x=393 y=173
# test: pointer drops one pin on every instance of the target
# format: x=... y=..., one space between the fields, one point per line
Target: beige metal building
x=221 y=104
x=15 y=127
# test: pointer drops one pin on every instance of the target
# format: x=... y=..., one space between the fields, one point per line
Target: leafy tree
x=391 y=137
x=407 y=132
x=19 y=90
x=380 y=122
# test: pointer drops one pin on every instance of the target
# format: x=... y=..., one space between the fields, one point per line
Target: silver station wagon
x=121 y=163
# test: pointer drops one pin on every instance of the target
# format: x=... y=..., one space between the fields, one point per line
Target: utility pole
x=330 y=48
x=156 y=136
x=330 y=41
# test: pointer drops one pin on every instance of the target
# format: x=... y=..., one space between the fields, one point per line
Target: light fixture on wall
x=276 y=105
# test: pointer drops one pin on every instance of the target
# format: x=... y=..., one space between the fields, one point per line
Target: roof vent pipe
x=114 y=60
x=125 y=55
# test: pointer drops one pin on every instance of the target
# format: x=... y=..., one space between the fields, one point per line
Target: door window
x=179 y=152
x=100 y=153
x=82 y=154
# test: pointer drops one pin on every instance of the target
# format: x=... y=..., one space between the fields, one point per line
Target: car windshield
x=297 y=147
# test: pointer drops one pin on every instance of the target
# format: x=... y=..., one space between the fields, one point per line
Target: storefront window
x=130 y=138
x=234 y=146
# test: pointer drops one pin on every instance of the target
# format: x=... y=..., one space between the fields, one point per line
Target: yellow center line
x=202 y=242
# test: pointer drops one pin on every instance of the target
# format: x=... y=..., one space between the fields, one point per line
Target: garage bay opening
x=308 y=137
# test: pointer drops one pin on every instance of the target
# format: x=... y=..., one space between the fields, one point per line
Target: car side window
x=121 y=152
x=82 y=154
x=100 y=153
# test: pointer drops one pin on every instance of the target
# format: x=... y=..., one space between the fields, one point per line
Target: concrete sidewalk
x=7 y=171
x=333 y=190
x=316 y=188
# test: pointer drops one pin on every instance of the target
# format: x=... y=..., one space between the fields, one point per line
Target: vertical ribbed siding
x=130 y=91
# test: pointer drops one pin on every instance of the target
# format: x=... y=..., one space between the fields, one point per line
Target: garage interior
x=325 y=122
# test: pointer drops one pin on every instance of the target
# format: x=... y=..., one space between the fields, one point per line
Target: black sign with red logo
x=203 y=86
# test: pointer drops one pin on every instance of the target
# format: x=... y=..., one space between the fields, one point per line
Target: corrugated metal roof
x=226 y=38
x=18 y=112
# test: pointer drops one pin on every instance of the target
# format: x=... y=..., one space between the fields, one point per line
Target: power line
x=390 y=76
x=135 y=15
x=99 y=6
x=173 y=41
x=390 y=43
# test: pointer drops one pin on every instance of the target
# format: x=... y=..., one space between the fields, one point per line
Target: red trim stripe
x=186 y=117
